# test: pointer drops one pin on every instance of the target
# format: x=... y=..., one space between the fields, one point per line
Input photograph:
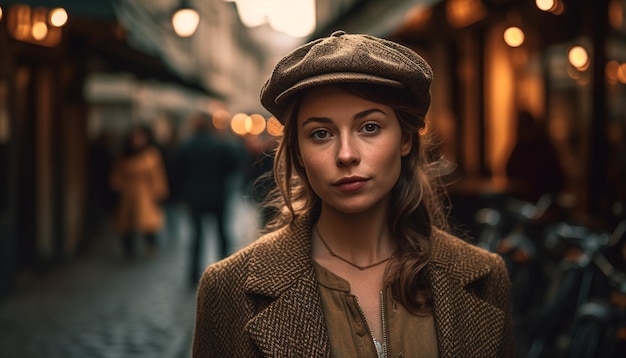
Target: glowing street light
x=39 y=30
x=185 y=21
x=58 y=17
x=545 y=5
x=293 y=17
x=578 y=57
x=514 y=36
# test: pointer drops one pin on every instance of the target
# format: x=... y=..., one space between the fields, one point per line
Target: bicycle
x=600 y=324
x=564 y=317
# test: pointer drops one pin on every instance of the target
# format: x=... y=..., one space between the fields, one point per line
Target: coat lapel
x=461 y=317
x=292 y=324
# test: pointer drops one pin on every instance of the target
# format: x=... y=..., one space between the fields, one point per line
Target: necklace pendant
x=333 y=254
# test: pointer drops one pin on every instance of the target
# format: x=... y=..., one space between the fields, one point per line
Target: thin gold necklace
x=346 y=261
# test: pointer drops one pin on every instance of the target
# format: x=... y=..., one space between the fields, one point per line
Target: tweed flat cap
x=354 y=58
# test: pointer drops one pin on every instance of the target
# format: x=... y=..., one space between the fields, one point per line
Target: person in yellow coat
x=139 y=178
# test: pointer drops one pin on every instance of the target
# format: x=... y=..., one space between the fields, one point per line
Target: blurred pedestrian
x=533 y=167
x=203 y=165
x=358 y=262
x=139 y=178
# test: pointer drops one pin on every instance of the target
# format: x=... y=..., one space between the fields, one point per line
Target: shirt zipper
x=383 y=323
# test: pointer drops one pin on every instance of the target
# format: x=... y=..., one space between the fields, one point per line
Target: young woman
x=357 y=263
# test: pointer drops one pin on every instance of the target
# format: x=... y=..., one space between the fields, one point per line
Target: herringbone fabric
x=263 y=301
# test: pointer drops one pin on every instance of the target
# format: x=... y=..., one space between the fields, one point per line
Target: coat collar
x=454 y=267
x=280 y=259
x=283 y=271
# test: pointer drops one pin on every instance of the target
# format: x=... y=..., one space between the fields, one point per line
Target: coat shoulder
x=454 y=248
x=233 y=270
x=465 y=261
x=225 y=303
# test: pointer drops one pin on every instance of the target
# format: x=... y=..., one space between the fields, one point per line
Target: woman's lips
x=351 y=183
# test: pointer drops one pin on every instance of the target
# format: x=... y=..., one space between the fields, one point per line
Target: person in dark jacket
x=203 y=165
x=534 y=167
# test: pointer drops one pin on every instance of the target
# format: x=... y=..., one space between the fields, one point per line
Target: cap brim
x=336 y=77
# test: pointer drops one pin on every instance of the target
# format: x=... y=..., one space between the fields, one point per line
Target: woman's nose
x=347 y=153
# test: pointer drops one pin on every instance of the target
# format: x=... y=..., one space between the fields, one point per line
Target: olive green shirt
x=408 y=335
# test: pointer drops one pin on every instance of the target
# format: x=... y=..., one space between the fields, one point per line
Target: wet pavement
x=102 y=305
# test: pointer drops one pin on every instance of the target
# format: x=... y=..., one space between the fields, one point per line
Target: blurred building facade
x=117 y=62
x=62 y=88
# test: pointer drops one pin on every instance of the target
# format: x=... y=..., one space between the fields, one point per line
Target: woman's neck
x=360 y=238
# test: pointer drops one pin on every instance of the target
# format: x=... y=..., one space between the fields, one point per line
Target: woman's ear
x=407 y=144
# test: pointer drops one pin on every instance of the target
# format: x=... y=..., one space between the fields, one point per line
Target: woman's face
x=350 y=148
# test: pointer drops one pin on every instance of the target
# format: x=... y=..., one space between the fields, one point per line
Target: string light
x=58 y=17
x=185 y=21
x=514 y=36
x=578 y=57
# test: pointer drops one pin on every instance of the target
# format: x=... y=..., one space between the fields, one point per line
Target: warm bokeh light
x=610 y=70
x=545 y=5
x=32 y=25
x=251 y=12
x=514 y=36
x=621 y=73
x=239 y=123
x=257 y=122
x=295 y=18
x=559 y=7
x=39 y=30
x=0 y=13
x=274 y=127
x=578 y=57
x=58 y=17
x=185 y=22
x=22 y=15
x=221 y=119
x=461 y=13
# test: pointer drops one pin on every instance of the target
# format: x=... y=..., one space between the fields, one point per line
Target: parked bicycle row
x=568 y=279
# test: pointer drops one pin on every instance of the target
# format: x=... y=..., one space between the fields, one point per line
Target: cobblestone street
x=101 y=305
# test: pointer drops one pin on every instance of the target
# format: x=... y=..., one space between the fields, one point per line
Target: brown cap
x=342 y=57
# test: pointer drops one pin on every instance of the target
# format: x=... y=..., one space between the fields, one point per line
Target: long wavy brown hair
x=416 y=207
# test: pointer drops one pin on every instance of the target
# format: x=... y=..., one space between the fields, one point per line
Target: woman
x=357 y=263
x=139 y=177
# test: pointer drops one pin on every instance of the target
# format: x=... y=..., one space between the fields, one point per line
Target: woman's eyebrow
x=367 y=112
x=327 y=120
x=324 y=120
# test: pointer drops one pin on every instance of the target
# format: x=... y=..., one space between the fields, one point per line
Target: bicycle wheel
x=587 y=339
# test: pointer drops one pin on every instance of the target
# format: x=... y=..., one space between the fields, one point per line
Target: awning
x=93 y=22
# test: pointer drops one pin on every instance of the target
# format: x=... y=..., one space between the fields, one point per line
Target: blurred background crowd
x=120 y=124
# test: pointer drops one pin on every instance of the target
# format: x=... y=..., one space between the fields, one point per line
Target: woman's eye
x=320 y=134
x=370 y=128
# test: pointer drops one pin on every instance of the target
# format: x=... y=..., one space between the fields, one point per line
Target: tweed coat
x=263 y=301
